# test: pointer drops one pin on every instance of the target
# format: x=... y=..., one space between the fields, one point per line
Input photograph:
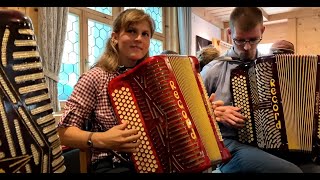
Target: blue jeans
x=249 y=159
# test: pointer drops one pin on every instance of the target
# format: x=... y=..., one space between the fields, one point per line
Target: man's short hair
x=245 y=18
x=282 y=46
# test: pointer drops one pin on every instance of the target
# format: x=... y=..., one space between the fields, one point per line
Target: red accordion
x=279 y=95
x=29 y=141
x=164 y=98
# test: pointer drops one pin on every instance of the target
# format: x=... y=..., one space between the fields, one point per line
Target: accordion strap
x=227 y=58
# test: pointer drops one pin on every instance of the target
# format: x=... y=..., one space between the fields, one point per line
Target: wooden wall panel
x=275 y=32
x=308 y=35
x=303 y=31
x=32 y=12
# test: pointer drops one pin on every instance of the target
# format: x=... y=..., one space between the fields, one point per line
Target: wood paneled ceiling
x=219 y=16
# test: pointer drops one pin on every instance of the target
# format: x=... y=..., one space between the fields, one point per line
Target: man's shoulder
x=221 y=60
x=213 y=67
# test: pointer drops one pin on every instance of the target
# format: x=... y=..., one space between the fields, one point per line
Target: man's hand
x=214 y=103
x=228 y=115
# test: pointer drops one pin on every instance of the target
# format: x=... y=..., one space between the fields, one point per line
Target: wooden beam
x=201 y=12
x=264 y=14
x=32 y=12
x=295 y=14
x=292 y=33
x=219 y=10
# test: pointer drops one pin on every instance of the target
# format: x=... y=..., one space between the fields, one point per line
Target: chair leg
x=84 y=161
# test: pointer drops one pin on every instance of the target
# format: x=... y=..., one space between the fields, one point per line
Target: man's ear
x=262 y=29
x=229 y=31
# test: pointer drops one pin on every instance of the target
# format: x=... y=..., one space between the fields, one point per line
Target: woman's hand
x=118 y=138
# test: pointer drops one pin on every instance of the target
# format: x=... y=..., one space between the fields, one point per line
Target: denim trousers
x=249 y=159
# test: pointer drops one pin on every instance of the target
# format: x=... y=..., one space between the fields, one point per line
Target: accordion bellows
x=29 y=142
x=280 y=97
x=164 y=98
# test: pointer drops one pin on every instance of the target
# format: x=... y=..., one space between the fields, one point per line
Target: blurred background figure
x=282 y=47
x=168 y=52
x=207 y=54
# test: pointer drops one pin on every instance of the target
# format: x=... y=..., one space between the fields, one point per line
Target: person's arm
x=73 y=137
x=77 y=110
x=228 y=115
x=79 y=107
x=116 y=138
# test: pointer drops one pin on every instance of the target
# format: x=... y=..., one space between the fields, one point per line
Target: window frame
x=84 y=15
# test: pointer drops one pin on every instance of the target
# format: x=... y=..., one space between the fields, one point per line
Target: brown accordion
x=164 y=98
x=279 y=95
x=29 y=142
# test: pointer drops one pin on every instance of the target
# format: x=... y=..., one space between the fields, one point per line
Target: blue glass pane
x=98 y=34
x=63 y=78
x=100 y=43
x=68 y=90
x=70 y=69
x=156 y=47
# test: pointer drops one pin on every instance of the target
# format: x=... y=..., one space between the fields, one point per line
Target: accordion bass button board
x=164 y=99
x=29 y=141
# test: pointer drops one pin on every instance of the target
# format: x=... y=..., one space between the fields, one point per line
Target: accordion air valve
x=164 y=98
x=29 y=142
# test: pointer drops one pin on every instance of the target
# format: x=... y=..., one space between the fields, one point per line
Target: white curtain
x=172 y=34
x=184 y=27
x=52 y=31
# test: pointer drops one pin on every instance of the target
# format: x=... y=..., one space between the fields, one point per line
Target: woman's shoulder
x=97 y=73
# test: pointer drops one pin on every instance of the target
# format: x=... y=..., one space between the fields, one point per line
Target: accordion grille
x=279 y=95
x=29 y=141
x=196 y=106
x=297 y=80
x=161 y=98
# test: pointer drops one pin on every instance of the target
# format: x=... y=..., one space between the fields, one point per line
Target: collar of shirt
x=231 y=53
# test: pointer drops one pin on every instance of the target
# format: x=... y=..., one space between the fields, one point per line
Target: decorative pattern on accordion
x=29 y=142
x=282 y=93
x=161 y=98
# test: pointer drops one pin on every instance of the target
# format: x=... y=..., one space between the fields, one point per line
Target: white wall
x=203 y=29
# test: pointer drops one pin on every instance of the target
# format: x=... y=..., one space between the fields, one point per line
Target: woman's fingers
x=129 y=147
x=130 y=132
x=132 y=138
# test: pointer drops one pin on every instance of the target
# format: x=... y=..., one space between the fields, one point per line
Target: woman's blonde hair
x=109 y=60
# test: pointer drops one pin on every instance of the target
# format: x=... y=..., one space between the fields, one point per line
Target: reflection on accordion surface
x=29 y=142
x=164 y=98
x=280 y=97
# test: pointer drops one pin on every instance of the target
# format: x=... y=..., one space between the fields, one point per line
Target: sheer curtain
x=184 y=27
x=172 y=34
x=52 y=31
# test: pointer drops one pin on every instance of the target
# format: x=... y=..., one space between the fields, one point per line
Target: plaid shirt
x=89 y=101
